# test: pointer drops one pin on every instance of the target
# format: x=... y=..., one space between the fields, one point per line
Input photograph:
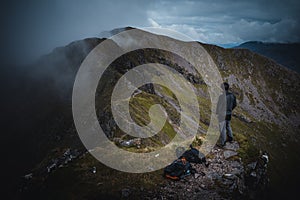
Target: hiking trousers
x=225 y=130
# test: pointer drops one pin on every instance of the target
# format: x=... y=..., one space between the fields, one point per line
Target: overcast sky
x=32 y=28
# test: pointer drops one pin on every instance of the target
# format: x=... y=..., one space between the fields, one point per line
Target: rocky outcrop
x=226 y=177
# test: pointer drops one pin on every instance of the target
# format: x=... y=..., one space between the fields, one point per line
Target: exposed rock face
x=256 y=178
x=136 y=142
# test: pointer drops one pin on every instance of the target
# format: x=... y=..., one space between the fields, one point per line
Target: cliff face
x=266 y=119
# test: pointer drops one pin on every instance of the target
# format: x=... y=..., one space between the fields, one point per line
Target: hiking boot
x=220 y=145
x=230 y=139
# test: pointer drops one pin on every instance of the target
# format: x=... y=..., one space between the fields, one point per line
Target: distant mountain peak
x=285 y=54
x=107 y=34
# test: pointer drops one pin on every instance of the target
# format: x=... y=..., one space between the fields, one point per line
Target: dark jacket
x=222 y=112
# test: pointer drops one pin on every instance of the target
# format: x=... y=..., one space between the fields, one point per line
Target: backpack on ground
x=178 y=169
x=193 y=155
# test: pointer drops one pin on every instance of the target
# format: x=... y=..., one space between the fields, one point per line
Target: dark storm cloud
x=31 y=28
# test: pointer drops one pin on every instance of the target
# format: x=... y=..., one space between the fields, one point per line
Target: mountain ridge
x=285 y=54
x=267 y=94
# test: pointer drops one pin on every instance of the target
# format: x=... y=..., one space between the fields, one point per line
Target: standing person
x=224 y=114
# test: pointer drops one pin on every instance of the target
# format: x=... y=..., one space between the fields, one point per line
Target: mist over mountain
x=286 y=54
x=39 y=120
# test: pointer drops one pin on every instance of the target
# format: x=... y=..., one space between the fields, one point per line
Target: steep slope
x=267 y=117
x=286 y=54
x=266 y=90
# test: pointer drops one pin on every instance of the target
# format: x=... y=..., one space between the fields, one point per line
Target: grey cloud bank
x=221 y=22
x=32 y=28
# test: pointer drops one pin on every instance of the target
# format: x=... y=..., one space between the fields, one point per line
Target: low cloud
x=229 y=21
x=32 y=28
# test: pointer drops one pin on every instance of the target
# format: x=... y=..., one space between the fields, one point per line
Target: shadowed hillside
x=286 y=54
